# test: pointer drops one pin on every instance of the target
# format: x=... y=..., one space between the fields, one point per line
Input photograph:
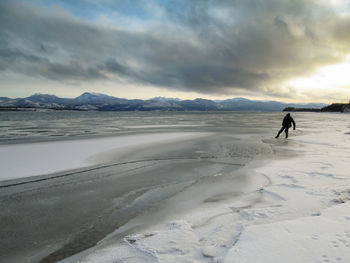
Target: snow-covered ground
x=31 y=159
x=295 y=209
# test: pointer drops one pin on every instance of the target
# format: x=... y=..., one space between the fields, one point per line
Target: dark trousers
x=285 y=128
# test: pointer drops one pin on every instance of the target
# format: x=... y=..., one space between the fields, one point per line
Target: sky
x=286 y=50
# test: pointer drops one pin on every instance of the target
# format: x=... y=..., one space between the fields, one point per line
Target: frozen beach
x=179 y=188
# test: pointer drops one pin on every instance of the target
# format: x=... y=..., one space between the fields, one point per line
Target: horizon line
x=177 y=98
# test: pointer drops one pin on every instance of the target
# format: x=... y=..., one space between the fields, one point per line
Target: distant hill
x=102 y=102
x=302 y=109
x=337 y=107
x=334 y=107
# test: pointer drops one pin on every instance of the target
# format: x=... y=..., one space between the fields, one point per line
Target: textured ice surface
x=300 y=213
x=23 y=160
x=188 y=202
x=175 y=164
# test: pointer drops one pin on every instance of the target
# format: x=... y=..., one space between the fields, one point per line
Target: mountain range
x=102 y=102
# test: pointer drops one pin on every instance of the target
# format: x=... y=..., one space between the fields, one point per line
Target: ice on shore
x=299 y=213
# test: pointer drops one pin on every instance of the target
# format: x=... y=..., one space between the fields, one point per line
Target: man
x=286 y=124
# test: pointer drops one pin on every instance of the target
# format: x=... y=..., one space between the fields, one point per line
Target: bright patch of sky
x=332 y=76
x=330 y=83
x=108 y=10
x=339 y=6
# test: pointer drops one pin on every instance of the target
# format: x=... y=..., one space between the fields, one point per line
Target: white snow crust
x=295 y=210
x=31 y=159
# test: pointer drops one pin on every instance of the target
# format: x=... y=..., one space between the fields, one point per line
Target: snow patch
x=30 y=159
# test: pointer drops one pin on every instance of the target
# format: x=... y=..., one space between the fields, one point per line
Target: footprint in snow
x=325 y=258
x=315 y=237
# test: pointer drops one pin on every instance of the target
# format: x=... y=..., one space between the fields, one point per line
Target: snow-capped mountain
x=103 y=102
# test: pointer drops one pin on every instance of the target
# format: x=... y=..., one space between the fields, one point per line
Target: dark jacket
x=287 y=121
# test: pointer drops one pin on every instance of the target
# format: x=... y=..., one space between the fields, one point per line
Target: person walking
x=286 y=124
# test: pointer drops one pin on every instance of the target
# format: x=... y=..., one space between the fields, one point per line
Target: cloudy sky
x=289 y=50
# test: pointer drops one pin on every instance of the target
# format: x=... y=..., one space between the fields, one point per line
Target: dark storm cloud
x=17 y=61
x=70 y=71
x=204 y=46
x=10 y=56
x=113 y=66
